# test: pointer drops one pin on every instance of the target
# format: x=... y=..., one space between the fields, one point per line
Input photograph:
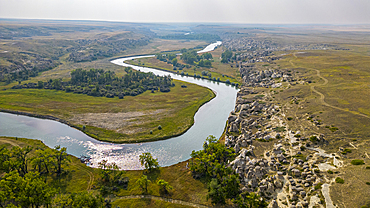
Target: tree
x=44 y=160
x=174 y=61
x=82 y=199
x=216 y=192
x=20 y=162
x=164 y=187
x=211 y=163
x=40 y=84
x=143 y=183
x=4 y=158
x=148 y=161
x=207 y=56
x=30 y=190
x=61 y=157
x=250 y=200
x=226 y=56
x=107 y=169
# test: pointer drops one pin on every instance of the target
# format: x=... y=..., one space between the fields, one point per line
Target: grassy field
x=81 y=177
x=111 y=119
x=338 y=98
x=218 y=70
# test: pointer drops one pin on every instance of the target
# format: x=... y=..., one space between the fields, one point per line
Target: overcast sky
x=228 y=11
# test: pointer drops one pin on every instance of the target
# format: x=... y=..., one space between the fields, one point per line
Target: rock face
x=256 y=122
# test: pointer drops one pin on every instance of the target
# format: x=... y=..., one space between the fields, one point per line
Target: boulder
x=273 y=204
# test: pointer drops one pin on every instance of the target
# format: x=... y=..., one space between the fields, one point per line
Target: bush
x=313 y=139
x=368 y=183
x=318 y=186
x=339 y=180
x=159 y=127
x=330 y=172
x=151 y=132
x=357 y=162
x=290 y=118
x=346 y=150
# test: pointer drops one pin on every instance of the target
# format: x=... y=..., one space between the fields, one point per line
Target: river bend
x=209 y=120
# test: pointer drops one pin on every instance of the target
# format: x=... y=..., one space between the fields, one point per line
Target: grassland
x=81 y=177
x=128 y=120
x=334 y=89
x=111 y=119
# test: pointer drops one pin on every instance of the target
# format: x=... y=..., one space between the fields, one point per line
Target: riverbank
x=99 y=114
x=148 y=62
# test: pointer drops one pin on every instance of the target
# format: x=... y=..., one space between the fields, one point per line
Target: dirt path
x=322 y=96
x=174 y=201
x=8 y=141
x=91 y=175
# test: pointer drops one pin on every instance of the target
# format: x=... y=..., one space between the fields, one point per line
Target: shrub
x=346 y=150
x=159 y=127
x=151 y=132
x=357 y=162
x=339 y=180
x=368 y=183
x=318 y=186
x=367 y=167
x=330 y=172
x=313 y=139
x=290 y=118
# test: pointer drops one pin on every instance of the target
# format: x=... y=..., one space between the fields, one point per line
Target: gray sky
x=230 y=11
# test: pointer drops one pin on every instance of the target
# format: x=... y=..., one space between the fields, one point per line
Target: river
x=209 y=120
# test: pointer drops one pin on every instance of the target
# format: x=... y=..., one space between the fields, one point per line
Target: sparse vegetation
x=357 y=162
x=339 y=180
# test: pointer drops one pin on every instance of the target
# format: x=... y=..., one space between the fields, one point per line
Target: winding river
x=209 y=120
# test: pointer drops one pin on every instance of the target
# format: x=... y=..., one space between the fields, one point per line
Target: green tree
x=40 y=84
x=226 y=56
x=148 y=161
x=82 y=199
x=143 y=183
x=4 y=158
x=30 y=190
x=174 y=61
x=216 y=192
x=250 y=200
x=108 y=170
x=61 y=157
x=21 y=161
x=164 y=187
x=44 y=160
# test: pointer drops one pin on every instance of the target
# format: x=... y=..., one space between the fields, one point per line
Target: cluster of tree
x=191 y=57
x=192 y=36
x=210 y=163
x=11 y=32
x=24 y=183
x=112 y=179
x=151 y=164
x=97 y=82
x=24 y=65
x=226 y=56
x=97 y=49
